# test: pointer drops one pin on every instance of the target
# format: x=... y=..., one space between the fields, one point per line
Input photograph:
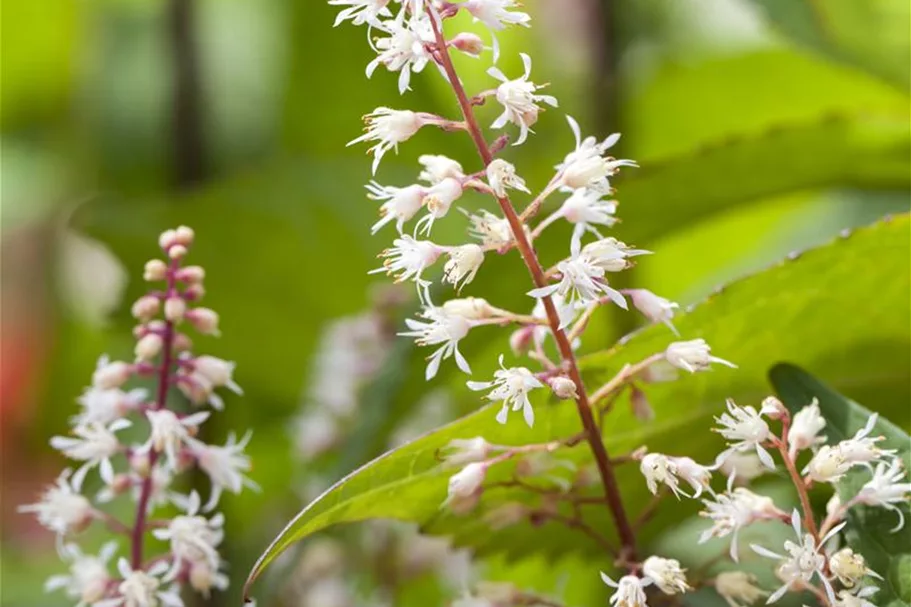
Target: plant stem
x=161 y=398
x=809 y=520
x=593 y=433
x=625 y=374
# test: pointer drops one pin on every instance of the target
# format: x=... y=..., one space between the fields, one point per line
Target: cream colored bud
x=175 y=309
x=184 y=235
x=470 y=44
x=148 y=347
x=204 y=320
x=111 y=375
x=145 y=308
x=191 y=274
x=469 y=308
x=182 y=343
x=167 y=239
x=194 y=292
x=774 y=408
x=178 y=251
x=140 y=463
x=563 y=387
x=155 y=269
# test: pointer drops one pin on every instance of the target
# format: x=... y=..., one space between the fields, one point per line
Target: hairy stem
x=161 y=398
x=593 y=433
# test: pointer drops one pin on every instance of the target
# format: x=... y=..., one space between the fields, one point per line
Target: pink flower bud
x=191 y=274
x=155 y=269
x=167 y=239
x=148 y=347
x=563 y=387
x=468 y=43
x=203 y=320
x=174 y=309
x=641 y=408
x=145 y=308
x=182 y=343
x=521 y=339
x=194 y=292
x=110 y=375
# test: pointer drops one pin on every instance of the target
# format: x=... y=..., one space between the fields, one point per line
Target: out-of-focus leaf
x=804 y=309
x=716 y=134
x=873 y=35
x=870 y=530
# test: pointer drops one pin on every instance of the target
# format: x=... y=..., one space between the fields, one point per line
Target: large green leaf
x=873 y=34
x=804 y=309
x=869 y=530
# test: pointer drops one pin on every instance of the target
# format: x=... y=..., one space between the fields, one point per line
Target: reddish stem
x=809 y=520
x=593 y=434
x=161 y=398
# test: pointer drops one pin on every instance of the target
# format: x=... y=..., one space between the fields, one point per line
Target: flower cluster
x=812 y=561
x=143 y=470
x=410 y=35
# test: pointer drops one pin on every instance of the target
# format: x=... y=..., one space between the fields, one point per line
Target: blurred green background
x=761 y=127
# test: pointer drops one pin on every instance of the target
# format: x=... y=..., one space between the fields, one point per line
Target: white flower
x=493 y=232
x=585 y=167
x=850 y=567
x=861 y=448
x=742 y=466
x=438 y=199
x=611 y=254
x=62 y=509
x=745 y=430
x=629 y=591
x=404 y=50
x=361 y=11
x=436 y=168
x=585 y=208
x=193 y=538
x=388 y=128
x=400 y=204
x=224 y=465
x=659 y=468
x=653 y=307
x=738 y=588
x=88 y=577
x=408 y=258
x=95 y=445
x=581 y=282
x=803 y=562
x=465 y=488
x=828 y=465
x=141 y=589
x=103 y=406
x=463 y=265
x=219 y=372
x=461 y=451
x=440 y=329
x=885 y=489
x=170 y=433
x=693 y=356
x=502 y=175
x=519 y=100
x=734 y=510
x=805 y=429
x=847 y=598
x=495 y=15
x=512 y=387
x=110 y=375
x=666 y=574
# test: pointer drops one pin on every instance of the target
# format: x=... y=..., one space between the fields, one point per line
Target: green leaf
x=714 y=135
x=803 y=309
x=873 y=34
x=869 y=529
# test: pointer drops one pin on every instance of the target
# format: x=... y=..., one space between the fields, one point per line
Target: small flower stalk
x=151 y=563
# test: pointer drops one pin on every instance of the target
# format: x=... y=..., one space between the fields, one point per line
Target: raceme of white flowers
x=152 y=560
x=407 y=37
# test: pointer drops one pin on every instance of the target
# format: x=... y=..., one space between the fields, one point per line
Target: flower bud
x=506 y=515
x=203 y=320
x=140 y=463
x=191 y=274
x=563 y=387
x=521 y=339
x=148 y=347
x=666 y=574
x=693 y=355
x=184 y=236
x=145 y=308
x=178 y=251
x=110 y=375
x=463 y=265
x=653 y=307
x=155 y=269
x=774 y=408
x=167 y=239
x=470 y=44
x=181 y=343
x=465 y=488
x=194 y=292
x=848 y=566
x=805 y=429
x=462 y=451
x=640 y=406
x=469 y=308
x=216 y=370
x=437 y=168
x=174 y=309
x=121 y=483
